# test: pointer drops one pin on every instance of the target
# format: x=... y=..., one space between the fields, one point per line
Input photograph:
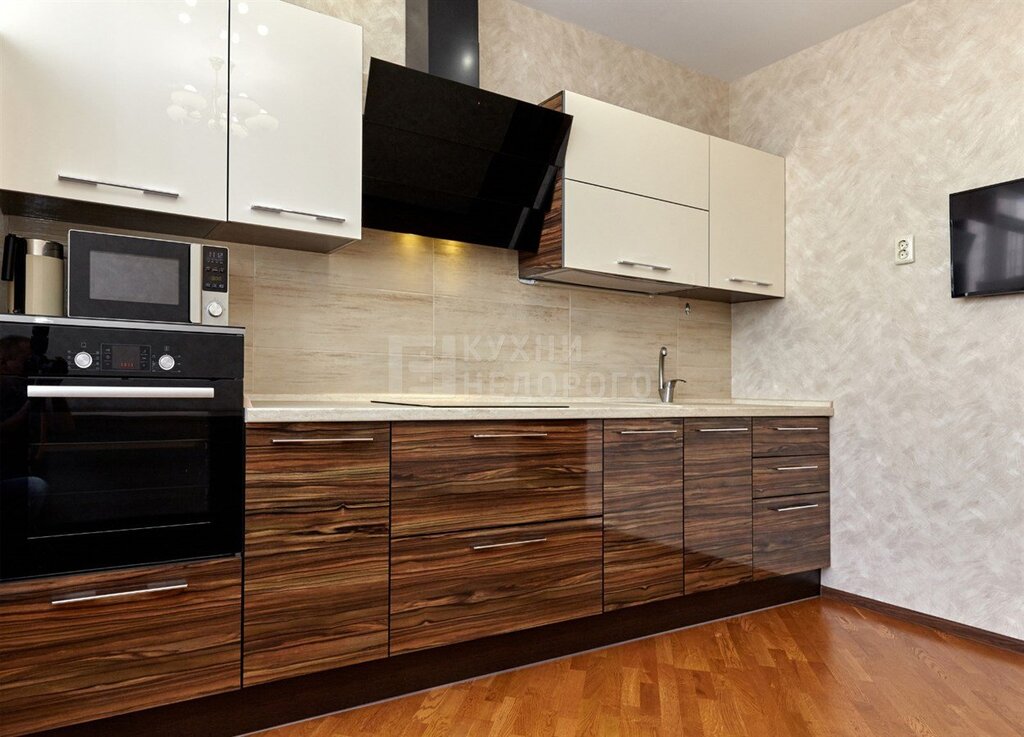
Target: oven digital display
x=122 y=357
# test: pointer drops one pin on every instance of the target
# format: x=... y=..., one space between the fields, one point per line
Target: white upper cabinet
x=617 y=148
x=748 y=220
x=627 y=235
x=117 y=102
x=296 y=119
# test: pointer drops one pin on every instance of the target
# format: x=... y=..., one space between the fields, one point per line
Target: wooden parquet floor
x=817 y=667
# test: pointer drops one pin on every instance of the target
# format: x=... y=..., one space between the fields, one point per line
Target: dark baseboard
x=272 y=704
x=937 y=623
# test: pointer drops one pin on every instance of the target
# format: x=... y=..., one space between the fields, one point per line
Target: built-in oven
x=122 y=277
x=119 y=445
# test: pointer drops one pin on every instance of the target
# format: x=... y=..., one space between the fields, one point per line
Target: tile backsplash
x=400 y=313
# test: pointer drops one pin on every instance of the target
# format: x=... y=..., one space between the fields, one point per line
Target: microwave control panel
x=215 y=269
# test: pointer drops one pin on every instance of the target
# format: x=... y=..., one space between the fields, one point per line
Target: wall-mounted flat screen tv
x=986 y=237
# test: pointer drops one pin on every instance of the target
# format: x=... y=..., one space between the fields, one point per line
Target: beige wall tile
x=307 y=317
x=621 y=337
x=535 y=378
x=472 y=272
x=280 y=371
x=482 y=330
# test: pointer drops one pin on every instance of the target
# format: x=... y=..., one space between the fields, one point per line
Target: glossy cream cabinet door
x=625 y=150
x=115 y=102
x=613 y=232
x=296 y=119
x=748 y=220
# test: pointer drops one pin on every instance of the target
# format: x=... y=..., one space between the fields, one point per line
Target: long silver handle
x=304 y=441
x=797 y=429
x=796 y=468
x=648 y=432
x=755 y=282
x=798 y=506
x=280 y=210
x=120 y=392
x=509 y=545
x=100 y=182
x=655 y=267
x=724 y=429
x=88 y=596
x=482 y=436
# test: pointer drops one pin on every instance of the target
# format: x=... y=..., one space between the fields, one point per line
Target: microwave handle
x=40 y=391
x=195 y=284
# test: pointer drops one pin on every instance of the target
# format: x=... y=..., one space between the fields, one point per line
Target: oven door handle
x=42 y=391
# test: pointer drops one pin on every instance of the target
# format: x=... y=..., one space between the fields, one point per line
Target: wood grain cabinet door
x=459 y=586
x=449 y=476
x=717 y=503
x=791 y=436
x=791 y=535
x=643 y=511
x=316 y=547
x=92 y=645
x=785 y=475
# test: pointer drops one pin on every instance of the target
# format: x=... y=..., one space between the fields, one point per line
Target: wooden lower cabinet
x=786 y=475
x=791 y=534
x=86 y=646
x=717 y=509
x=452 y=587
x=316 y=548
x=791 y=436
x=449 y=476
x=643 y=511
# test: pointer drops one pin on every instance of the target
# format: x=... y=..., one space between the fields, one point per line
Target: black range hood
x=447 y=160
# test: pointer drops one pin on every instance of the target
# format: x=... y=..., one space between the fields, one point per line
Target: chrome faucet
x=666 y=389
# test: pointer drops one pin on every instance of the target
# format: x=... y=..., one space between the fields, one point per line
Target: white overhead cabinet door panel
x=296 y=119
x=116 y=102
x=625 y=150
x=748 y=220
x=627 y=235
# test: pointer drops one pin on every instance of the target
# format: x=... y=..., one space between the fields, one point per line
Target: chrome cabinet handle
x=483 y=436
x=755 y=282
x=306 y=441
x=280 y=210
x=120 y=392
x=797 y=468
x=655 y=267
x=724 y=429
x=797 y=429
x=509 y=545
x=89 y=596
x=100 y=182
x=793 y=509
x=648 y=432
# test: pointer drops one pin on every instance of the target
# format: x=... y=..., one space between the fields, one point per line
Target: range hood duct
x=445 y=159
x=442 y=37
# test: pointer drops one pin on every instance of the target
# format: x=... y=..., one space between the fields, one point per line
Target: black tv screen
x=986 y=237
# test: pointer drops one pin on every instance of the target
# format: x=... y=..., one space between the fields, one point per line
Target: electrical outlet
x=905 y=250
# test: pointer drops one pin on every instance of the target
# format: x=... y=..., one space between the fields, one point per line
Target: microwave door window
x=122 y=277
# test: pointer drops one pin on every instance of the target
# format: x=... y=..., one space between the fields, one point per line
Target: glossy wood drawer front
x=784 y=475
x=791 y=534
x=449 y=476
x=316 y=543
x=460 y=586
x=717 y=503
x=643 y=511
x=790 y=436
x=92 y=645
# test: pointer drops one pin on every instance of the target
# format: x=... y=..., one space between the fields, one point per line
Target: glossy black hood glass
x=446 y=160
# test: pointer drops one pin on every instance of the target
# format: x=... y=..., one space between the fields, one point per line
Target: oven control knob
x=83 y=360
x=166 y=362
x=215 y=309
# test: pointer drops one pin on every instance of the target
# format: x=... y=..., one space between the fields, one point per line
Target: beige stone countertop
x=399 y=408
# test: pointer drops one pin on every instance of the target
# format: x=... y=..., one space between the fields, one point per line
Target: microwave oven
x=123 y=277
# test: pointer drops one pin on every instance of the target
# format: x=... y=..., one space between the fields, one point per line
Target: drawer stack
x=791 y=495
x=496 y=527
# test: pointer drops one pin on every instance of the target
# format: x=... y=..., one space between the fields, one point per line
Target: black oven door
x=98 y=473
x=130 y=278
